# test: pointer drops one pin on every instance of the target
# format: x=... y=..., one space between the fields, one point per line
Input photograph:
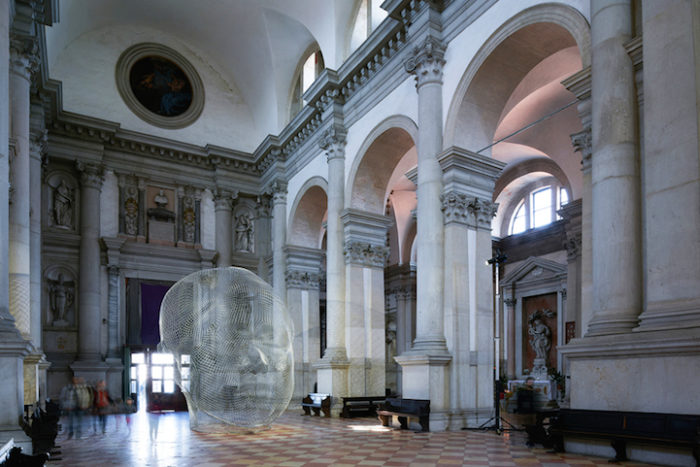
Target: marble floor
x=295 y=440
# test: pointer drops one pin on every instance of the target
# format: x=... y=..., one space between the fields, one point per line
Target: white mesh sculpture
x=238 y=337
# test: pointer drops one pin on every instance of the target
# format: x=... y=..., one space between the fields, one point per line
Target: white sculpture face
x=239 y=339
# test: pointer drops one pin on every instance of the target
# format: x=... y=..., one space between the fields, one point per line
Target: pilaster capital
x=483 y=211
x=562 y=292
x=263 y=205
x=278 y=189
x=427 y=61
x=455 y=208
x=573 y=246
x=510 y=302
x=24 y=55
x=365 y=254
x=302 y=280
x=38 y=142
x=91 y=175
x=223 y=199
x=583 y=143
x=333 y=142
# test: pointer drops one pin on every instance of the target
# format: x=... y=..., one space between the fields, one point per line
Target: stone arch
x=476 y=101
x=538 y=164
x=368 y=181
x=308 y=212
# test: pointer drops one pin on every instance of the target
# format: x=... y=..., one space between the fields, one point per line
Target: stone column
x=671 y=194
x=365 y=258
x=469 y=181
x=279 y=238
x=615 y=173
x=580 y=85
x=333 y=367
x=89 y=364
x=223 y=202
x=23 y=61
x=13 y=348
x=303 y=276
x=427 y=63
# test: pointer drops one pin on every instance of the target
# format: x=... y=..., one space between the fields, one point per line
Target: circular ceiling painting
x=159 y=86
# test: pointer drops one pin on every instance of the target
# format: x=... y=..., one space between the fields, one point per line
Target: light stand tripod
x=496 y=422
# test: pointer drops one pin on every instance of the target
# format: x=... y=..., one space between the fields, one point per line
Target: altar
x=544 y=394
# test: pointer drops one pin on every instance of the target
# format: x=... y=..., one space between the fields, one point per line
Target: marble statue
x=63 y=205
x=244 y=233
x=540 y=337
x=61 y=298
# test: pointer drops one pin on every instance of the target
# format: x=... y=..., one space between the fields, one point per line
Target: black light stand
x=496 y=422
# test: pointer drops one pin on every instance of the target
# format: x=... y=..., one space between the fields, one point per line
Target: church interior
x=453 y=199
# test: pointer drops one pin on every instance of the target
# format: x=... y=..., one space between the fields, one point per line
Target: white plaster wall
x=317 y=167
x=86 y=67
x=109 y=206
x=207 y=221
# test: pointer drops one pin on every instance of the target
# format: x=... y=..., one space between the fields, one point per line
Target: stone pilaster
x=509 y=303
x=571 y=213
x=333 y=367
x=365 y=258
x=302 y=278
x=223 y=204
x=615 y=173
x=468 y=180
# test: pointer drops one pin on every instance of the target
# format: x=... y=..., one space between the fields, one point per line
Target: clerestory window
x=538 y=209
x=311 y=67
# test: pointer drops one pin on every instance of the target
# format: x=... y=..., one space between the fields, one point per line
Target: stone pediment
x=535 y=270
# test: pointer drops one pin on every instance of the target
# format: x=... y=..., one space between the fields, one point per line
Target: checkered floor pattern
x=295 y=440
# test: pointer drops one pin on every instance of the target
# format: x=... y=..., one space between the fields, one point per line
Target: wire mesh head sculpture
x=237 y=336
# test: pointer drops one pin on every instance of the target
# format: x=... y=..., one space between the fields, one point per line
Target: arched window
x=538 y=208
x=311 y=67
x=369 y=16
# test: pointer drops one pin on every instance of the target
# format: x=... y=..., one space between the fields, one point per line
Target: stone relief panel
x=60 y=288
x=189 y=215
x=61 y=201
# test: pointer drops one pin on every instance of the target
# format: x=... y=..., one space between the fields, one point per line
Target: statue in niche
x=244 y=232
x=161 y=200
x=540 y=336
x=160 y=212
x=63 y=205
x=131 y=211
x=60 y=299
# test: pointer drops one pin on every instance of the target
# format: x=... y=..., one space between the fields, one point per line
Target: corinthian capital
x=333 y=142
x=223 y=199
x=366 y=254
x=90 y=175
x=455 y=207
x=583 y=143
x=24 y=55
x=427 y=61
x=483 y=211
x=38 y=142
x=278 y=188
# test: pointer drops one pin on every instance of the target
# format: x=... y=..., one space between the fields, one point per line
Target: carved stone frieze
x=427 y=61
x=302 y=280
x=366 y=254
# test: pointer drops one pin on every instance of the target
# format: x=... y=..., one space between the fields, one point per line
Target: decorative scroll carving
x=427 y=61
x=333 y=142
x=365 y=254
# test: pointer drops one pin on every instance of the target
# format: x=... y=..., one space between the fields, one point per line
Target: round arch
x=308 y=211
x=564 y=17
x=536 y=164
x=374 y=163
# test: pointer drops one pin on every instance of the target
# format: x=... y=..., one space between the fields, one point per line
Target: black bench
x=405 y=409
x=673 y=430
x=366 y=405
x=317 y=402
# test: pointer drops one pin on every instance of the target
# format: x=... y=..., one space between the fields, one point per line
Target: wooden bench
x=366 y=405
x=317 y=402
x=673 y=430
x=405 y=409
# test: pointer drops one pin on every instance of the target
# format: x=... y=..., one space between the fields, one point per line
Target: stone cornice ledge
x=409 y=359
x=328 y=364
x=635 y=344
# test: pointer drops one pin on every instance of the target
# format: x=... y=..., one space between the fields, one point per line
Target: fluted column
x=279 y=238
x=615 y=173
x=23 y=60
x=89 y=323
x=223 y=204
x=427 y=64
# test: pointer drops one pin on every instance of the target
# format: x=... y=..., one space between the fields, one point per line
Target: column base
x=90 y=371
x=671 y=314
x=114 y=378
x=13 y=349
x=614 y=323
x=429 y=345
x=427 y=376
x=32 y=368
